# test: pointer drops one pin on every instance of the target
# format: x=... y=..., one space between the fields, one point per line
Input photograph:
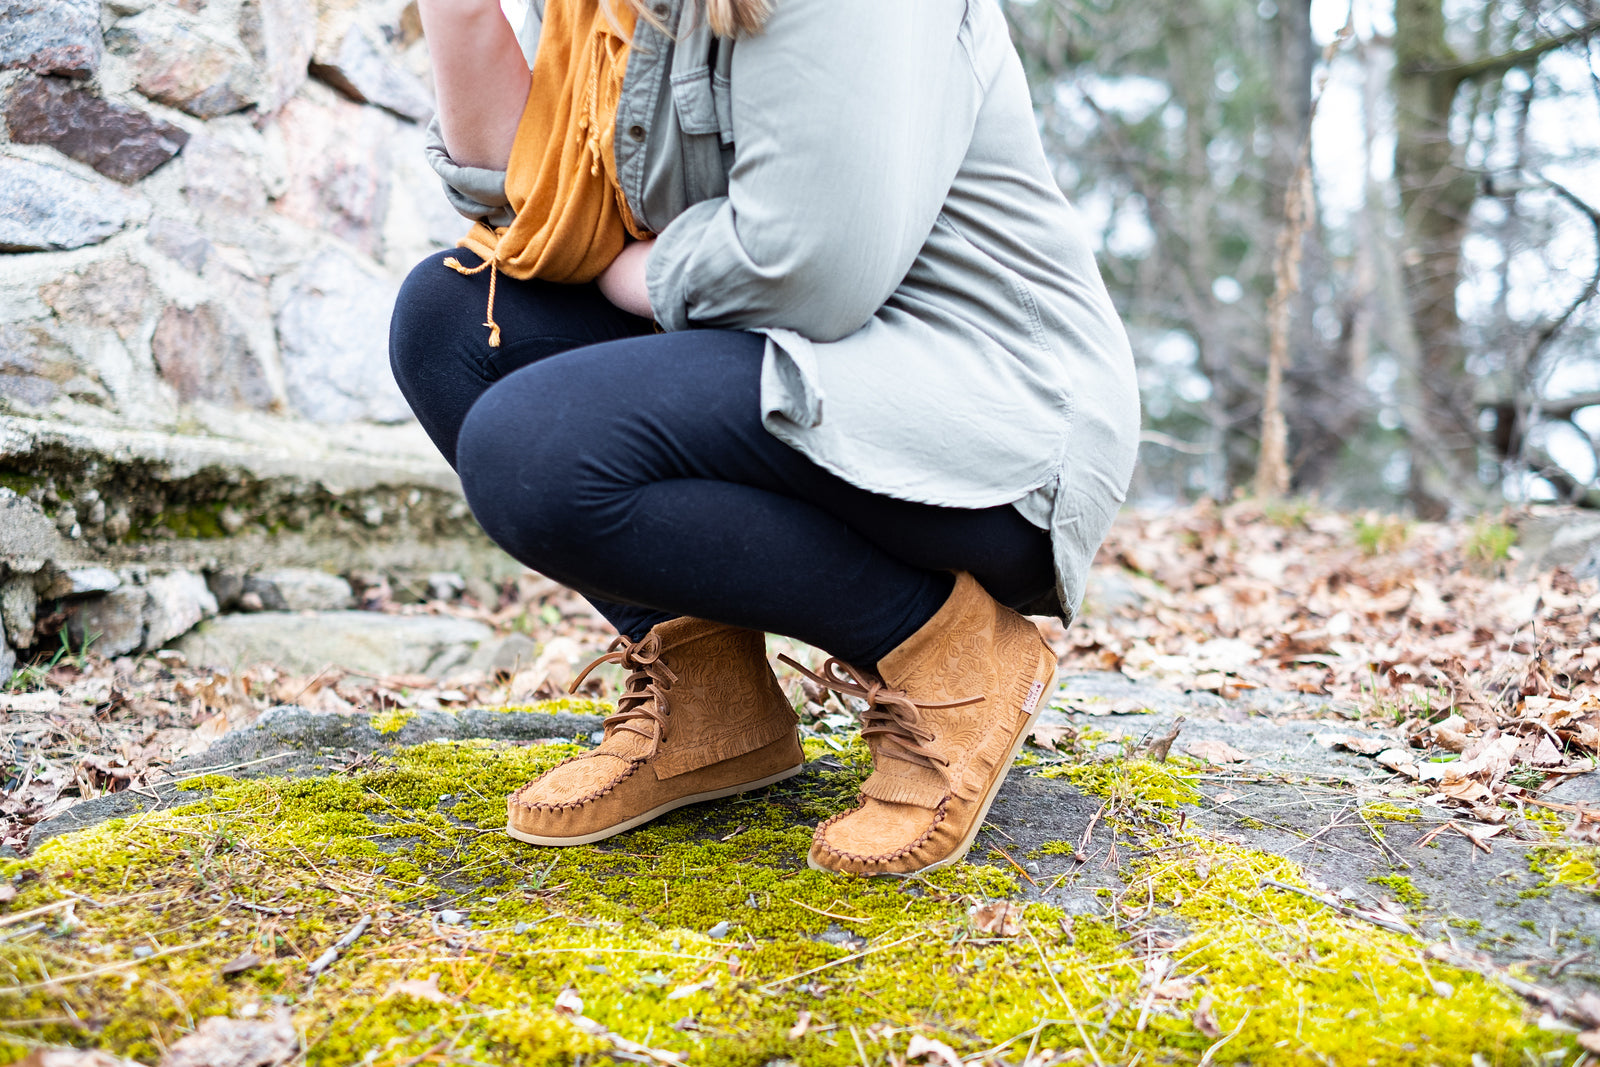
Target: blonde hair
x=727 y=18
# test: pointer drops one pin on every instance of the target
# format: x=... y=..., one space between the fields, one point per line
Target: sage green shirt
x=864 y=184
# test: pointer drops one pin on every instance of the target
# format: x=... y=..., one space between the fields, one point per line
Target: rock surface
x=364 y=74
x=299 y=589
x=140 y=618
x=118 y=141
x=51 y=36
x=340 y=161
x=174 y=604
x=1355 y=835
x=280 y=35
x=290 y=740
x=26 y=533
x=180 y=61
x=48 y=208
x=362 y=642
x=204 y=355
x=333 y=305
x=113 y=625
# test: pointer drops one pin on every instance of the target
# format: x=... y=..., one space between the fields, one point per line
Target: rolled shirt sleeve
x=850 y=122
x=477 y=193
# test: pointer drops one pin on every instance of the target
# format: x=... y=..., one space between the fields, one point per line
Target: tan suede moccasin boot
x=701 y=717
x=952 y=707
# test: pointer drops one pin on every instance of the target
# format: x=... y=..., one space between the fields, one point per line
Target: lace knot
x=644 y=696
x=891 y=714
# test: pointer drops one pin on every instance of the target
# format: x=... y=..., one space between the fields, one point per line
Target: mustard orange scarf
x=571 y=217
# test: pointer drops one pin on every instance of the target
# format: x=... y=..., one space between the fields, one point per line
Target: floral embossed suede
x=944 y=721
x=701 y=717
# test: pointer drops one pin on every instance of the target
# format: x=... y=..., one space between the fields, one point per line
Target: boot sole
x=656 y=812
x=994 y=790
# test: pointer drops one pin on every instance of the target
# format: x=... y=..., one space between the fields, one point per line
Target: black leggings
x=633 y=467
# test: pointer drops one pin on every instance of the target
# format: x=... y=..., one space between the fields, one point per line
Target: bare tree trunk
x=1436 y=198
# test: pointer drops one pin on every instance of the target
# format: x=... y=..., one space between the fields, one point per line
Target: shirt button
x=662 y=11
x=636 y=133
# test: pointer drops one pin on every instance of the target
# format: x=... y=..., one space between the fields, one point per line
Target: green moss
x=392 y=720
x=1569 y=868
x=1380 y=533
x=1138 y=781
x=21 y=484
x=1490 y=542
x=1402 y=889
x=1386 y=812
x=202 y=522
x=566 y=705
x=626 y=925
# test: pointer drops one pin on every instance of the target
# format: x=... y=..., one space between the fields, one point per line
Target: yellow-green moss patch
x=392 y=720
x=703 y=933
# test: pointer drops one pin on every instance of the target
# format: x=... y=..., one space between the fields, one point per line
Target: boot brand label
x=1034 y=692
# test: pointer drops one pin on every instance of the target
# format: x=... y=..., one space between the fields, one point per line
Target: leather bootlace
x=891 y=714
x=644 y=695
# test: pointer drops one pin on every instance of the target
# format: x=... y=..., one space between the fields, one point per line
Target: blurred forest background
x=1392 y=207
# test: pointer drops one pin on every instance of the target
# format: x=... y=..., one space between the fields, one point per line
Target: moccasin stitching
x=568 y=805
x=821 y=841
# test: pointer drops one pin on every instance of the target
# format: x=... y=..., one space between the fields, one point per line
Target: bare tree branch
x=1488 y=66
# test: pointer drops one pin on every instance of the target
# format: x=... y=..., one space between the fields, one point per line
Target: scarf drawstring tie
x=494 y=273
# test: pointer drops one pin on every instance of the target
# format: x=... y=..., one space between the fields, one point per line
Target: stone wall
x=206 y=208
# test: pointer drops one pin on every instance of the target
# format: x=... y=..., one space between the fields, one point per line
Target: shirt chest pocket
x=703 y=96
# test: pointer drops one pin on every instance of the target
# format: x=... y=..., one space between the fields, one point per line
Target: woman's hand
x=481 y=78
x=623 y=281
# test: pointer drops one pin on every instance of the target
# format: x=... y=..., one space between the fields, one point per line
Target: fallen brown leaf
x=240 y=964
x=224 y=1042
x=1203 y=1020
x=428 y=989
x=997 y=918
x=932 y=1051
x=1215 y=752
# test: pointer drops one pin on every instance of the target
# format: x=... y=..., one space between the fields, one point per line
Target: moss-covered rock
x=703 y=934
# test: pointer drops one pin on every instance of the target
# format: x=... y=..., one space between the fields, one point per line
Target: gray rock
x=227 y=587
x=19 y=609
x=50 y=209
x=180 y=242
x=365 y=642
x=366 y=75
x=25 y=531
x=118 y=141
x=112 y=625
x=37 y=365
x=8 y=661
x=1561 y=537
x=1108 y=590
x=51 y=36
x=222 y=182
x=504 y=657
x=175 y=604
x=81 y=581
x=1580 y=789
x=203 y=355
x=179 y=61
x=300 y=589
x=451 y=918
x=109 y=294
x=280 y=35
x=333 y=327
x=289 y=740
